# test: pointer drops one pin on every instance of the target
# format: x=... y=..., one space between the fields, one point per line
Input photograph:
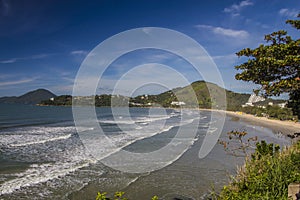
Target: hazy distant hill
x=33 y=97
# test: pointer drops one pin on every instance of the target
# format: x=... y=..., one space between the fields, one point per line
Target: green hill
x=198 y=94
x=33 y=97
x=203 y=92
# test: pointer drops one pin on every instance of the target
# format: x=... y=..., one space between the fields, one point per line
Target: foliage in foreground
x=266 y=174
x=117 y=196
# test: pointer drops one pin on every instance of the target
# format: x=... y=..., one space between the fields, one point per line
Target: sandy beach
x=285 y=127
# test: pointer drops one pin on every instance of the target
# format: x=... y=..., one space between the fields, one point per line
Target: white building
x=282 y=105
x=177 y=103
x=253 y=99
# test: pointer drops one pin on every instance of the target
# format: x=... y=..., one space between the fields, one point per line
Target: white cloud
x=13 y=60
x=225 y=61
x=288 y=13
x=33 y=57
x=79 y=52
x=236 y=8
x=147 y=30
x=231 y=32
x=71 y=80
x=160 y=57
x=241 y=34
x=38 y=56
x=6 y=83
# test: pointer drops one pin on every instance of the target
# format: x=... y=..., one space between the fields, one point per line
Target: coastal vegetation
x=116 y=196
x=63 y=100
x=275 y=66
x=267 y=171
x=266 y=174
x=185 y=94
x=272 y=112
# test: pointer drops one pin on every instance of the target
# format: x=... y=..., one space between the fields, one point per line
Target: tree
x=275 y=66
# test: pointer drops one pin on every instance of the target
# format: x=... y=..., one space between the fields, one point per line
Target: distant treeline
x=198 y=90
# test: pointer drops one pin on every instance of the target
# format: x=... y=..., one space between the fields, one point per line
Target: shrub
x=266 y=175
x=117 y=196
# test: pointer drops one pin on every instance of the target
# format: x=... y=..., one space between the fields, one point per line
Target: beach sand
x=285 y=127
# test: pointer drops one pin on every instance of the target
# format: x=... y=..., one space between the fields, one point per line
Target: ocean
x=43 y=155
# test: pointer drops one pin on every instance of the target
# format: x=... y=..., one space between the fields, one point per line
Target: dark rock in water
x=177 y=197
x=294 y=135
x=180 y=197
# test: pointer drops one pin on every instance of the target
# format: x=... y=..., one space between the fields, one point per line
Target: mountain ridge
x=31 y=97
x=200 y=89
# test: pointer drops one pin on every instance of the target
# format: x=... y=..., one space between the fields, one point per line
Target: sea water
x=42 y=155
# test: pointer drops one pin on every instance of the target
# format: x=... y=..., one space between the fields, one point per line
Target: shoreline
x=286 y=128
x=286 y=125
x=291 y=124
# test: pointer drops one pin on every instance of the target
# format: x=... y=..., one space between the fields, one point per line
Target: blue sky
x=43 y=43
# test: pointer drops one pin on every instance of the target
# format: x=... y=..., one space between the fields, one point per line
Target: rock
x=180 y=197
x=294 y=135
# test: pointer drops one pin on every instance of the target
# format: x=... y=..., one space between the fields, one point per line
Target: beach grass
x=265 y=175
